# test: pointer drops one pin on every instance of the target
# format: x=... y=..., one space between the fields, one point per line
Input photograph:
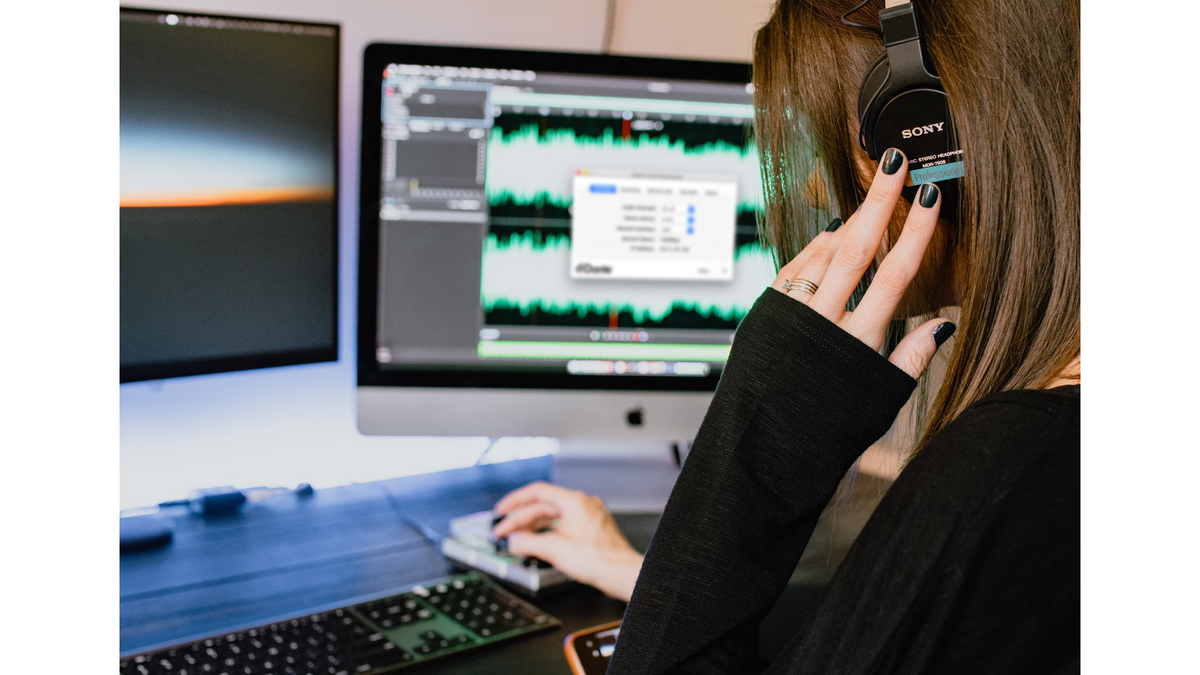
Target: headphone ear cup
x=868 y=95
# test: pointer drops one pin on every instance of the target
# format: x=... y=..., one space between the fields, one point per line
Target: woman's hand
x=583 y=541
x=835 y=261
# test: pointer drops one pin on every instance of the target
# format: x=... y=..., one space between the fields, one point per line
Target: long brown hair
x=1011 y=74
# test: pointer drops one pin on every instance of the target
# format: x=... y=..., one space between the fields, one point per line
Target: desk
x=288 y=555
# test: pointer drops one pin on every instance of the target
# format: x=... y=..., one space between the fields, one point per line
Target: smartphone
x=589 y=650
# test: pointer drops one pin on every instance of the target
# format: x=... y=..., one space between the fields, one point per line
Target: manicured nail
x=929 y=195
x=892 y=159
x=833 y=225
x=944 y=330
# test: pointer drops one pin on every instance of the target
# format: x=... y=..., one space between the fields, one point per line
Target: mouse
x=139 y=533
x=537 y=563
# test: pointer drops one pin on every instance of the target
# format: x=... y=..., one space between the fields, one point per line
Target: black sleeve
x=800 y=399
x=970 y=564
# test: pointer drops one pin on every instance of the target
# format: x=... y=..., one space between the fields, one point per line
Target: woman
x=971 y=561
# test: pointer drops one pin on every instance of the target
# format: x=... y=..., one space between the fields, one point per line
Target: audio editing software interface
x=553 y=221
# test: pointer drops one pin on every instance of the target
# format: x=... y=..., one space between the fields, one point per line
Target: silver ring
x=799 y=284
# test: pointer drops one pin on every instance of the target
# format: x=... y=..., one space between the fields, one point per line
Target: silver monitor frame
x=617 y=414
x=571 y=415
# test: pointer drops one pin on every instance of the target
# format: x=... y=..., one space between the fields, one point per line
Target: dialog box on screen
x=637 y=225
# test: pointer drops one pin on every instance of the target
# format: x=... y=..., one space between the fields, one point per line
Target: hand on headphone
x=834 y=262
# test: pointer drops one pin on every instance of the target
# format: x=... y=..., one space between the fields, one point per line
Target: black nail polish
x=833 y=225
x=928 y=195
x=892 y=159
x=943 y=331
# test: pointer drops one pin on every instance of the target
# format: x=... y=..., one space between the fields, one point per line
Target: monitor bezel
x=161 y=370
x=376 y=57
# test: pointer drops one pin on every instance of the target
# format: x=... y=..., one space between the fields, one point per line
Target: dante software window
x=549 y=221
x=641 y=225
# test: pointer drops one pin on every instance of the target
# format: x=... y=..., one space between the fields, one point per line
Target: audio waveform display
x=526 y=281
x=531 y=159
x=692 y=135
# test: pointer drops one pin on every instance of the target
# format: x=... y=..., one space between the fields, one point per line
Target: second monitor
x=552 y=244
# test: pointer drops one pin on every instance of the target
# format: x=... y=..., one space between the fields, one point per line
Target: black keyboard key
x=381 y=657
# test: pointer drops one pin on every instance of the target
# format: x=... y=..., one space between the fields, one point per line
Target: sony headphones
x=901 y=104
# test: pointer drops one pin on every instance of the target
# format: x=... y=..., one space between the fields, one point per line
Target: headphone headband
x=902 y=104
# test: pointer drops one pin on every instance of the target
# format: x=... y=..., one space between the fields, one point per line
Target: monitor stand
x=630 y=476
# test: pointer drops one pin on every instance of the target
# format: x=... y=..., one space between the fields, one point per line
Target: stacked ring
x=799 y=284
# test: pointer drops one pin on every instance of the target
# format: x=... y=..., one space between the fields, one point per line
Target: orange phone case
x=569 y=645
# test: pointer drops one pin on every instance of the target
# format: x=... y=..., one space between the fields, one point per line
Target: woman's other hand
x=583 y=540
x=836 y=260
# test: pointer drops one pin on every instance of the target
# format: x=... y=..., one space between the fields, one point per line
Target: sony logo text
x=926 y=129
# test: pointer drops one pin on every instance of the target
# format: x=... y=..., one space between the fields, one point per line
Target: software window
x=638 y=225
x=556 y=222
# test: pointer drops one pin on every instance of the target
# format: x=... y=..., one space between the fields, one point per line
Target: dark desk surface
x=289 y=555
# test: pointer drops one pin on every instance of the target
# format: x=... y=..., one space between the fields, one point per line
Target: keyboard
x=430 y=621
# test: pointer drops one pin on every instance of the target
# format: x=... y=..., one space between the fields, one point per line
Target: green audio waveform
x=748 y=258
x=529 y=133
x=540 y=198
x=530 y=242
x=526 y=241
x=548 y=158
x=543 y=198
x=639 y=314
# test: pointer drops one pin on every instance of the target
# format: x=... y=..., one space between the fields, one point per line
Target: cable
x=610 y=19
x=424 y=530
x=847 y=22
x=428 y=532
x=483 y=455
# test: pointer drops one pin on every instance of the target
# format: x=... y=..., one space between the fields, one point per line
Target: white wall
x=289 y=425
x=720 y=30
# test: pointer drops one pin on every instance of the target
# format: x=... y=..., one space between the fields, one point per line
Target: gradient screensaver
x=228 y=186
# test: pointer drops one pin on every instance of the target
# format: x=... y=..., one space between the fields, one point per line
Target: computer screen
x=555 y=220
x=228 y=217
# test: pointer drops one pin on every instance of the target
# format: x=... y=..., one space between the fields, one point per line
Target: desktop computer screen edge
x=455 y=401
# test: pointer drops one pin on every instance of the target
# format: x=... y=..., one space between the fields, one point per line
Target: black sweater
x=970 y=564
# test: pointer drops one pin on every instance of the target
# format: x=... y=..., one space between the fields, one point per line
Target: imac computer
x=228 y=219
x=552 y=244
